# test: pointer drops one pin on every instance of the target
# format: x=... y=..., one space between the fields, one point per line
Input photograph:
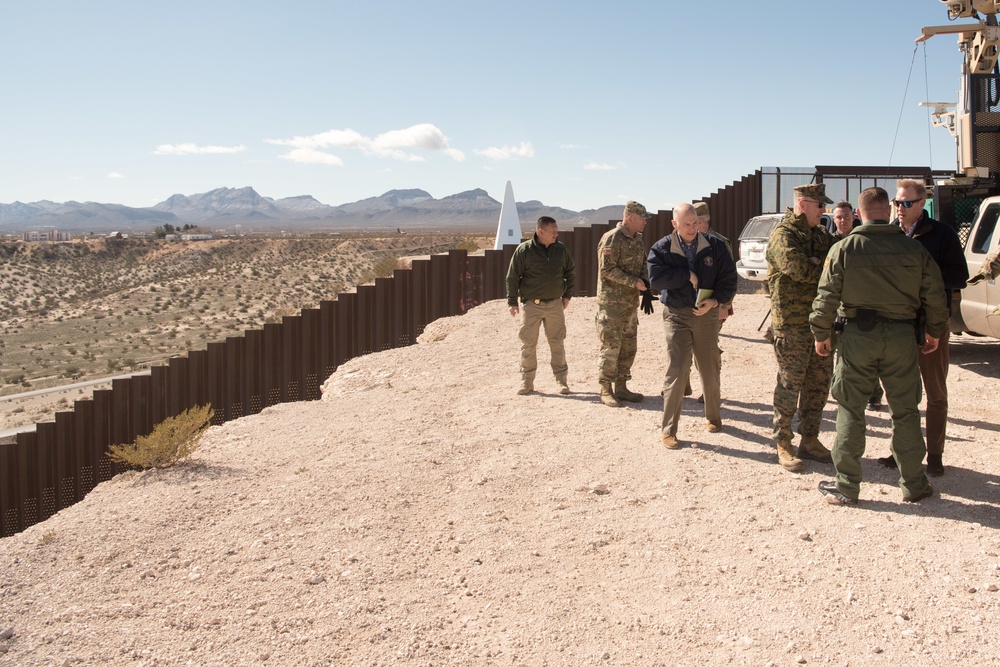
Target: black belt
x=538 y=301
x=884 y=320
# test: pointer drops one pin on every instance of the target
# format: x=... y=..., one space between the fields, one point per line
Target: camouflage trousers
x=616 y=328
x=803 y=382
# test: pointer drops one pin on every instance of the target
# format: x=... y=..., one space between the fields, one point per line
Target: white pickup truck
x=971 y=311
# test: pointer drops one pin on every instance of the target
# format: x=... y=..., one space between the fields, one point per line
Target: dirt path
x=424 y=514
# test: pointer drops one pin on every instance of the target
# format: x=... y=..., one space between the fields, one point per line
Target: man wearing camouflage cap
x=621 y=278
x=795 y=253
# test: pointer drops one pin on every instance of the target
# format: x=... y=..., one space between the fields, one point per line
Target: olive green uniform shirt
x=537 y=272
x=878 y=267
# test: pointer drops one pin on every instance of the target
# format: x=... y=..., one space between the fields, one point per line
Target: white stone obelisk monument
x=509 y=228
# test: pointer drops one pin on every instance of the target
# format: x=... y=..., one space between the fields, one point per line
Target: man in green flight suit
x=621 y=278
x=795 y=253
x=875 y=282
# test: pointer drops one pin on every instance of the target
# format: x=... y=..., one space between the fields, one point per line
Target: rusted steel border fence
x=61 y=461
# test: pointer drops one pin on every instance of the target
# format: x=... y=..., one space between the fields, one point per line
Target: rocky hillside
x=86 y=309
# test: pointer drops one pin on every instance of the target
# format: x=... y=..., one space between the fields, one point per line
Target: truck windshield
x=984 y=234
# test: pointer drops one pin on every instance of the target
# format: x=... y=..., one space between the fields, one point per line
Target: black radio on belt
x=838 y=323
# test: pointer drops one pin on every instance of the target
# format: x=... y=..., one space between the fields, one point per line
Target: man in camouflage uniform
x=621 y=277
x=795 y=253
x=875 y=281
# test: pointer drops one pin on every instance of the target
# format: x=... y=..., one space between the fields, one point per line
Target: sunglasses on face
x=906 y=204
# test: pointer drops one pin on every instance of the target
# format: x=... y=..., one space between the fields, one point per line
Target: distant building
x=196 y=237
x=50 y=235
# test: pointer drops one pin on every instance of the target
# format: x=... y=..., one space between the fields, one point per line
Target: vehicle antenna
x=927 y=96
x=901 y=105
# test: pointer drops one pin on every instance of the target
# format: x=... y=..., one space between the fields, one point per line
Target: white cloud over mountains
x=523 y=149
x=194 y=149
x=394 y=144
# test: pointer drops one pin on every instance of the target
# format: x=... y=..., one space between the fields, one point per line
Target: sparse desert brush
x=172 y=440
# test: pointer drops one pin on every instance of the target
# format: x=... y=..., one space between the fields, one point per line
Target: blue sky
x=580 y=104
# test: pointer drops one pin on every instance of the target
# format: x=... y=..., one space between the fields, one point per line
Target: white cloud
x=597 y=166
x=394 y=144
x=194 y=149
x=312 y=156
x=523 y=149
x=115 y=174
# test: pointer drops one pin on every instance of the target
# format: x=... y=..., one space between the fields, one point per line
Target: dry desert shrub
x=172 y=440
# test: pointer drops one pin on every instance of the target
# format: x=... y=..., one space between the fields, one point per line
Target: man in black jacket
x=942 y=243
x=694 y=273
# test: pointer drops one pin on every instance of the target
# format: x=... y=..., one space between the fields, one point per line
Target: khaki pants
x=533 y=316
x=698 y=336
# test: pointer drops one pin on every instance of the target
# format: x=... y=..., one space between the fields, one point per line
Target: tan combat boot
x=608 y=396
x=787 y=458
x=811 y=448
x=623 y=393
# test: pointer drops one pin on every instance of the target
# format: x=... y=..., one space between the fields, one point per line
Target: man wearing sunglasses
x=942 y=243
x=795 y=253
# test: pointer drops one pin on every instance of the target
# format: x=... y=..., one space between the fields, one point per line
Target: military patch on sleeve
x=826 y=262
x=605 y=251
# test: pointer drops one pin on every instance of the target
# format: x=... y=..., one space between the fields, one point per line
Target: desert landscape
x=422 y=513
x=92 y=309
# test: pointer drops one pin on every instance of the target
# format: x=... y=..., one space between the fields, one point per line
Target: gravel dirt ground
x=424 y=514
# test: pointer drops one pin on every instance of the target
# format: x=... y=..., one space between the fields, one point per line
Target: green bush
x=172 y=440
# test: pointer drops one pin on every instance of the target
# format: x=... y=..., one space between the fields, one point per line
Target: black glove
x=647 y=298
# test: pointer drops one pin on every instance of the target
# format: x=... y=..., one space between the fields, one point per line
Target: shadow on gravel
x=188 y=473
x=767 y=456
x=759 y=338
x=986 y=426
x=981 y=490
x=980 y=356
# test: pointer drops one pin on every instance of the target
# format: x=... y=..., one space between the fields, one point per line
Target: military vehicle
x=970 y=201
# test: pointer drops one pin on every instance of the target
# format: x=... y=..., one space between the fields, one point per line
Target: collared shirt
x=690 y=250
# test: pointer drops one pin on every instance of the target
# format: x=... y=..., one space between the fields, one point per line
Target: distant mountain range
x=226 y=207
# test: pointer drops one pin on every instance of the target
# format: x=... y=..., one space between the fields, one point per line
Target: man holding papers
x=694 y=273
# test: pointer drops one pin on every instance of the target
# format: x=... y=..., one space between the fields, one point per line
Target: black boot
x=934 y=466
